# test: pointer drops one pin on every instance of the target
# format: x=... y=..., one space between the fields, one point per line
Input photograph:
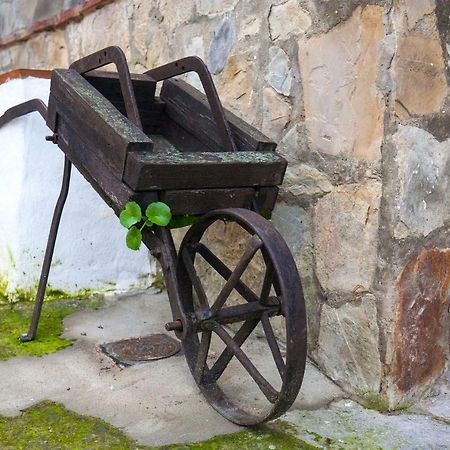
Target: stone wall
x=356 y=94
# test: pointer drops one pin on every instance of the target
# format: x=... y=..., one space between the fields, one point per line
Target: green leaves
x=130 y=215
x=157 y=213
x=134 y=238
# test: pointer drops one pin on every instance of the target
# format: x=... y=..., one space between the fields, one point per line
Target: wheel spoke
x=252 y=247
x=267 y=284
x=225 y=272
x=273 y=344
x=225 y=357
x=195 y=280
x=266 y=388
x=202 y=356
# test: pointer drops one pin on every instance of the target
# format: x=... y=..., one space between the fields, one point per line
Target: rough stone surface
x=236 y=86
x=424 y=181
x=276 y=114
x=279 y=73
x=224 y=36
x=341 y=219
x=213 y=7
x=344 y=110
x=349 y=339
x=421 y=330
x=288 y=19
x=421 y=86
x=295 y=225
x=294 y=144
x=305 y=182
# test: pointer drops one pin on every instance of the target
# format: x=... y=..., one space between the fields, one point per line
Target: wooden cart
x=184 y=149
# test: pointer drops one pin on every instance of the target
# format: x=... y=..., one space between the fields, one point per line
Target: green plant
x=157 y=213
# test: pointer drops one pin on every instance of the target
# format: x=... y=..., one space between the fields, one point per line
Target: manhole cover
x=141 y=349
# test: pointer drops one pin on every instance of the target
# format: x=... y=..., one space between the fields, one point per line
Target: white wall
x=90 y=250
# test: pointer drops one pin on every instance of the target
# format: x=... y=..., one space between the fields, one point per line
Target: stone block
x=348 y=346
x=344 y=109
x=422 y=323
x=236 y=85
x=306 y=183
x=276 y=114
x=279 y=72
x=420 y=83
x=346 y=237
x=423 y=166
x=288 y=19
x=221 y=45
x=214 y=7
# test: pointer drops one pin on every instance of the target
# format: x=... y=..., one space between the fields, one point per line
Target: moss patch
x=275 y=436
x=15 y=319
x=51 y=426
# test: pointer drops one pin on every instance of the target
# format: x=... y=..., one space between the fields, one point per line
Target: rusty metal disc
x=145 y=348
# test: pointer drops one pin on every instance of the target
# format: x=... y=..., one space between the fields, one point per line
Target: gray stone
x=346 y=230
x=295 y=225
x=279 y=72
x=294 y=143
x=288 y=19
x=424 y=181
x=213 y=7
x=348 y=346
x=306 y=182
x=223 y=41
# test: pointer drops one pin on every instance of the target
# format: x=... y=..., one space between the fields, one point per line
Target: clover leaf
x=134 y=238
x=158 y=213
x=131 y=215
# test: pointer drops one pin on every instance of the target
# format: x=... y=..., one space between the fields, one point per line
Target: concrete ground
x=158 y=402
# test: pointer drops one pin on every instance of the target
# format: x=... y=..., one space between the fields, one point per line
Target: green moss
x=375 y=401
x=158 y=281
x=3 y=289
x=49 y=425
x=279 y=435
x=15 y=319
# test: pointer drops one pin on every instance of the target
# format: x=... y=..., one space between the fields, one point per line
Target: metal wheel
x=248 y=381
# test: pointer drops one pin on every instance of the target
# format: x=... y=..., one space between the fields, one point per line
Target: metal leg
x=49 y=253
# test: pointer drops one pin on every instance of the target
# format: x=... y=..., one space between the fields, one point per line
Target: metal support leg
x=49 y=253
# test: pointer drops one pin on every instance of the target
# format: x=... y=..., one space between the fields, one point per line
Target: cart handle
x=113 y=55
x=196 y=64
x=24 y=108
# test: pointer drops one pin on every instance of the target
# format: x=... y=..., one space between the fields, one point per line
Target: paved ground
x=158 y=402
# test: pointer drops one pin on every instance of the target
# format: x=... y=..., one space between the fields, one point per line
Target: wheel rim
x=211 y=316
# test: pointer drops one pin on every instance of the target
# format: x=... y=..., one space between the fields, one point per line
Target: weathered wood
x=190 y=109
x=99 y=124
x=150 y=109
x=200 y=201
x=111 y=189
x=166 y=168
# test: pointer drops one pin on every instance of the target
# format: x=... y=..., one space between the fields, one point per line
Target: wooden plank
x=190 y=109
x=111 y=189
x=150 y=109
x=170 y=169
x=96 y=120
x=200 y=201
